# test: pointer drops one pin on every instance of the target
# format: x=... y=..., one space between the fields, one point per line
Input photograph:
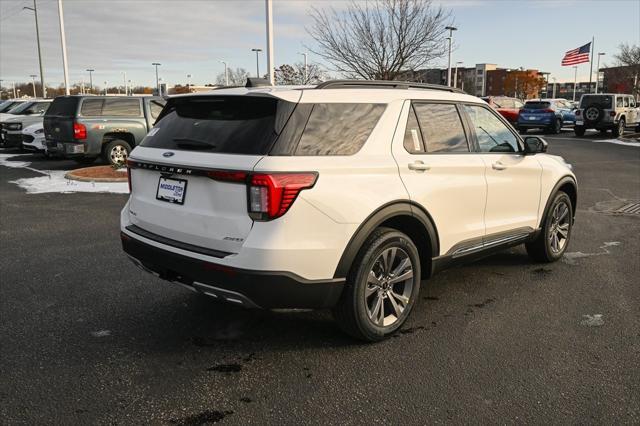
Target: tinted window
x=492 y=134
x=224 y=124
x=155 y=108
x=441 y=128
x=537 y=105
x=20 y=109
x=63 y=106
x=121 y=107
x=597 y=100
x=91 y=107
x=338 y=129
x=412 y=135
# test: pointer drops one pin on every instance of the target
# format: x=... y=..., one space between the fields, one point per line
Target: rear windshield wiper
x=194 y=143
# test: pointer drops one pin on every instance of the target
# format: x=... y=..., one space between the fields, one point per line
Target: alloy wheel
x=118 y=154
x=389 y=287
x=559 y=229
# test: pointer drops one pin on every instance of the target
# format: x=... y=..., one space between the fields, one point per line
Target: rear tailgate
x=210 y=214
x=173 y=193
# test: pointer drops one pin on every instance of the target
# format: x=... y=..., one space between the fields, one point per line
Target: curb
x=70 y=175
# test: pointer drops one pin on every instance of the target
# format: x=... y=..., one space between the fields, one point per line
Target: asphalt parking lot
x=86 y=337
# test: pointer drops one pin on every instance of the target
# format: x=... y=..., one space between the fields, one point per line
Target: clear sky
x=190 y=36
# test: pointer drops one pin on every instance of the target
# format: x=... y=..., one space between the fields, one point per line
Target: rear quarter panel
x=553 y=170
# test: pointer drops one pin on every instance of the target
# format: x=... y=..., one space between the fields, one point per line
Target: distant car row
x=603 y=112
x=81 y=128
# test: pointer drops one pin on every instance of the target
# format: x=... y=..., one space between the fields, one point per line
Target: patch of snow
x=594 y=320
x=12 y=164
x=571 y=257
x=56 y=182
x=618 y=142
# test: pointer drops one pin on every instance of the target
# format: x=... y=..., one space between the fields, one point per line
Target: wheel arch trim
x=375 y=219
x=567 y=179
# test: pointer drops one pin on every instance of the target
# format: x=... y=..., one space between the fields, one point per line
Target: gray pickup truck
x=84 y=128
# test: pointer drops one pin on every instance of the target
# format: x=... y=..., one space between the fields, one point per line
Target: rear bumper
x=249 y=288
x=66 y=149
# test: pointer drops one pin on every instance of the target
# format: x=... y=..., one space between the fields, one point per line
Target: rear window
x=222 y=124
x=537 y=105
x=596 y=100
x=338 y=129
x=63 y=106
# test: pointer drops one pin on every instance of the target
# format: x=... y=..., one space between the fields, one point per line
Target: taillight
x=578 y=113
x=271 y=195
x=79 y=131
x=228 y=175
x=521 y=110
x=547 y=110
x=612 y=113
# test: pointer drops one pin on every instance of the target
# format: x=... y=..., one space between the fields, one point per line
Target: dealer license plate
x=171 y=190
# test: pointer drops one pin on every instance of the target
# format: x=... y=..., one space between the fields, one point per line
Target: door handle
x=498 y=166
x=419 y=166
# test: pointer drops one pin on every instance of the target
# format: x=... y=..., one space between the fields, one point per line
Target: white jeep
x=607 y=111
x=343 y=196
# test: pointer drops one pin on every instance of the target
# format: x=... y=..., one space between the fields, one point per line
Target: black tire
x=556 y=127
x=116 y=152
x=638 y=127
x=541 y=249
x=579 y=130
x=588 y=116
x=619 y=129
x=352 y=311
x=85 y=160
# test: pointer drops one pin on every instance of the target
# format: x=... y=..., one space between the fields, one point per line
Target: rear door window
x=114 y=107
x=338 y=129
x=441 y=128
x=618 y=102
x=626 y=102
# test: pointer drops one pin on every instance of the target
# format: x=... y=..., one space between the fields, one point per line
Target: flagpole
x=593 y=39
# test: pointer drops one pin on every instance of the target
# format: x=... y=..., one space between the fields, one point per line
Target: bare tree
x=295 y=74
x=237 y=77
x=379 y=39
x=629 y=58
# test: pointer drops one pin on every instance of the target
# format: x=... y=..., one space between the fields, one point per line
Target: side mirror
x=535 y=145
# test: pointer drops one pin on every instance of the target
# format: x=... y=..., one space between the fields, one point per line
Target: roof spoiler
x=257 y=82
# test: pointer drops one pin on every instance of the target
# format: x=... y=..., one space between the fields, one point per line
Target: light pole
x=598 y=70
x=553 y=94
x=105 y=88
x=188 y=81
x=90 y=79
x=257 y=61
x=306 y=69
x=35 y=12
x=269 y=17
x=124 y=83
x=450 y=38
x=455 y=74
x=575 y=81
x=226 y=73
x=64 y=48
x=33 y=83
x=156 y=64
x=13 y=83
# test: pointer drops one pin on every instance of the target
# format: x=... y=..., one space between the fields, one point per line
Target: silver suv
x=607 y=111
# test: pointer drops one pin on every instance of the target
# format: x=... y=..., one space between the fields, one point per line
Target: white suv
x=338 y=196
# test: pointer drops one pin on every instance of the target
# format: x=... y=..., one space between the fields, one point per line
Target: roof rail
x=383 y=84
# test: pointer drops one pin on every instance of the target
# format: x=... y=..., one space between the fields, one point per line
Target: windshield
x=222 y=124
x=20 y=108
x=7 y=105
x=596 y=100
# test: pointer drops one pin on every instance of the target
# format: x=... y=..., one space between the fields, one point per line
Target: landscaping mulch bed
x=98 y=174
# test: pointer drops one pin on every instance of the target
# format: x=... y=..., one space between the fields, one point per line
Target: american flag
x=577 y=56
